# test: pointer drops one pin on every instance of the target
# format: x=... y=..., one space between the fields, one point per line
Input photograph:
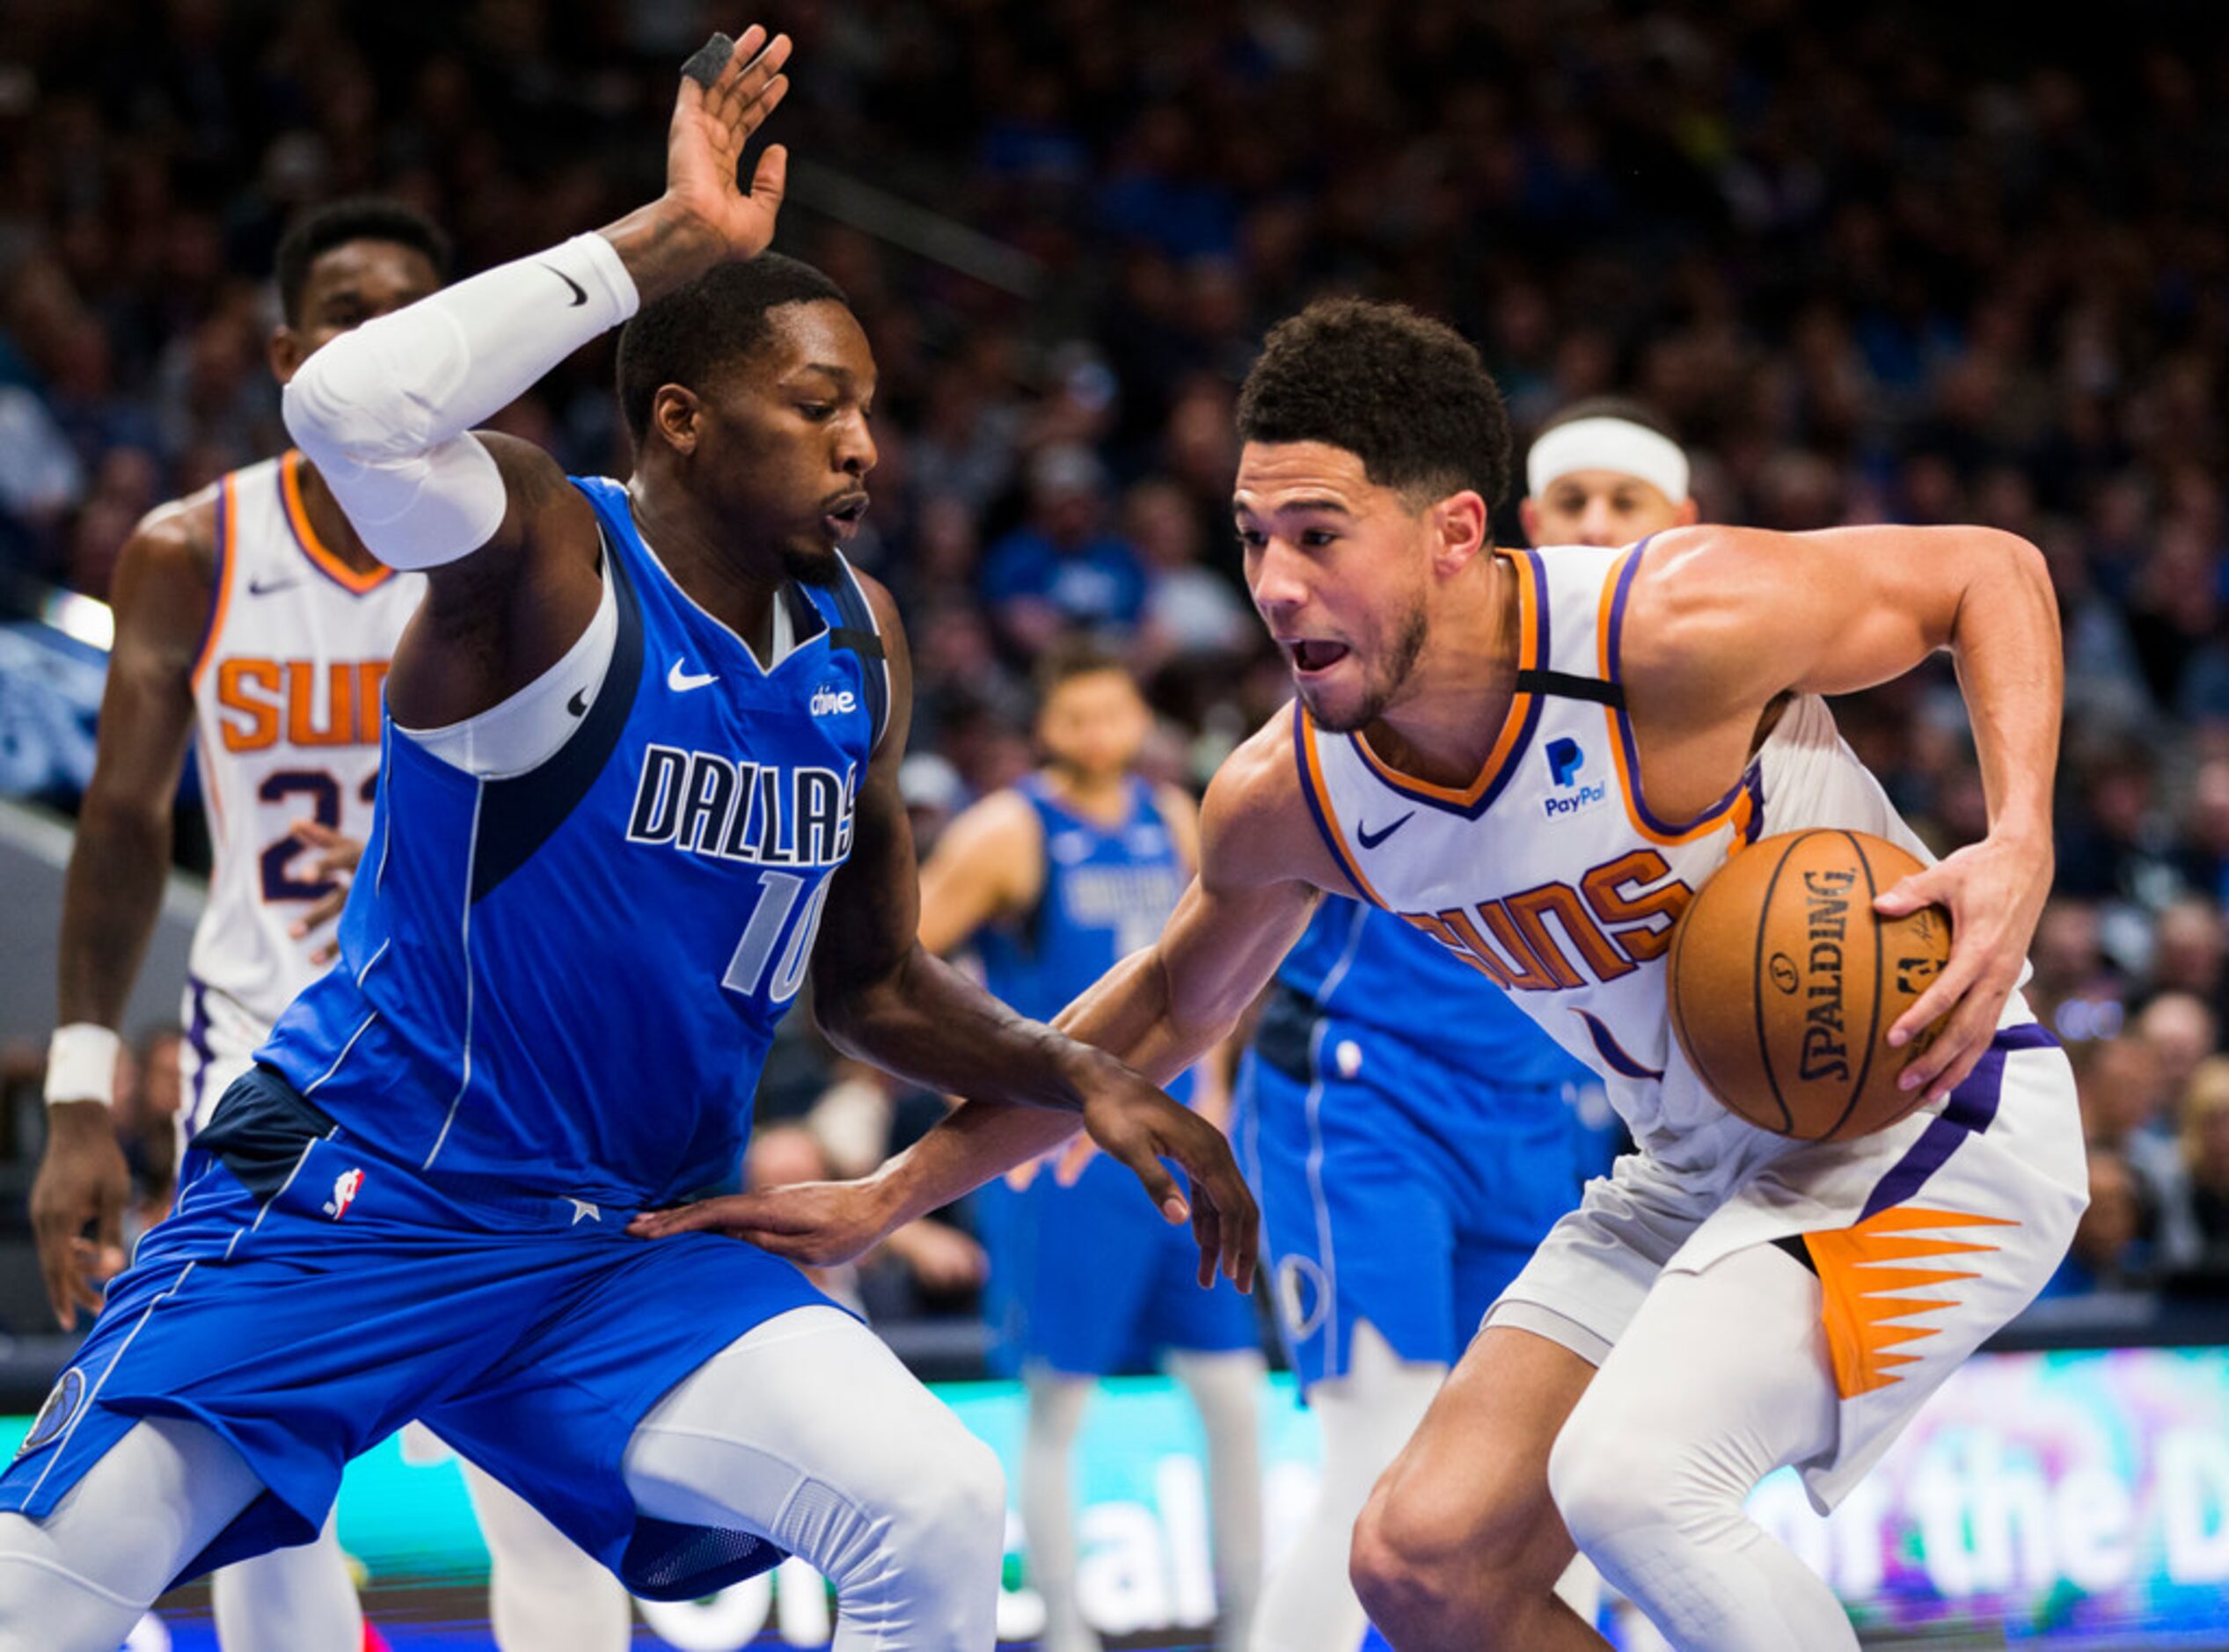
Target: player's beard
x=820 y=566
x=1401 y=660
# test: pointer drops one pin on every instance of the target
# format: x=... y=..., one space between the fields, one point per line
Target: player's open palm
x=728 y=89
x=1138 y=1125
x=82 y=1183
x=1995 y=891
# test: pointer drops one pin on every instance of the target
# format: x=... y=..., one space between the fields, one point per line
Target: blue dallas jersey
x=1108 y=890
x=1365 y=966
x=564 y=983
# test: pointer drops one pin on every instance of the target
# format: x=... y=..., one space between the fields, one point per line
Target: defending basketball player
x=642 y=746
x=1537 y=760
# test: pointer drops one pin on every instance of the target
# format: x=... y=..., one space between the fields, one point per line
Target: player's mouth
x=840 y=516
x=1313 y=656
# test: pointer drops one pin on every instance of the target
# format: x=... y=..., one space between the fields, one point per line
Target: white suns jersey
x=286 y=711
x=1551 y=874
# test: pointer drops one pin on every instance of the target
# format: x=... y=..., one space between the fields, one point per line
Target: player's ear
x=674 y=413
x=1686 y=514
x=1459 y=530
x=1528 y=518
x=286 y=352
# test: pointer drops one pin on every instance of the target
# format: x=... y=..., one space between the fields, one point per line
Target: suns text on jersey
x=731 y=808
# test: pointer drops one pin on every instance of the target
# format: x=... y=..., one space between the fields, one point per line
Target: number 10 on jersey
x=779 y=893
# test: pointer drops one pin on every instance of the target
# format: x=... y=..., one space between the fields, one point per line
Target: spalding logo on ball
x=1784 y=984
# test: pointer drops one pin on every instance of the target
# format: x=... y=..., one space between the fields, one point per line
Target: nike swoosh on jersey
x=681 y=681
x=578 y=704
x=266 y=587
x=580 y=293
x=1370 y=839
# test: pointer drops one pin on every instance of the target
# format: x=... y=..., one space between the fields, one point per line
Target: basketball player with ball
x=1539 y=762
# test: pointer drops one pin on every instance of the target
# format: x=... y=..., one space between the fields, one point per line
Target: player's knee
x=1405 y=1570
x=950 y=1519
x=1607 y=1482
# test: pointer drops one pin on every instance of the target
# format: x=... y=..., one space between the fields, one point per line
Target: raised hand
x=726 y=96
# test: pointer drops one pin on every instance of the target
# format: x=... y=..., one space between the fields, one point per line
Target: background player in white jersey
x=1054 y=879
x=253 y=624
x=1593 y=733
x=1408 y=1158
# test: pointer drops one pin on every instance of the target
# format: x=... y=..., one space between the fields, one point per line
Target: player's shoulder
x=1695 y=594
x=1255 y=823
x=177 y=540
x=1005 y=823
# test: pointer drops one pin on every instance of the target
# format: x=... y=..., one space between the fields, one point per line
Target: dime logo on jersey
x=830 y=701
x=1572 y=795
x=344 y=1193
x=64 y=1400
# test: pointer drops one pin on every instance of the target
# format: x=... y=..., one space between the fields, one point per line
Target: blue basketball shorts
x=306 y=1313
x=1394 y=1189
x=1092 y=1280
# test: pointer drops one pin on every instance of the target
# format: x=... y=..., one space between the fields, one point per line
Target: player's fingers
x=1022 y=1174
x=1908 y=894
x=1965 y=1038
x=56 y=1265
x=1074 y=1159
x=1206 y=1233
x=1167 y=1198
x=751 y=83
x=1959 y=973
x=770 y=179
x=316 y=834
x=683 y=1218
x=323 y=910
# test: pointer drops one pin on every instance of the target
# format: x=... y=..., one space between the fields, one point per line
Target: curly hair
x=365 y=218
x=1405 y=394
x=688 y=333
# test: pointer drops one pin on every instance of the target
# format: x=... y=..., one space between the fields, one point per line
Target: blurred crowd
x=1896 y=262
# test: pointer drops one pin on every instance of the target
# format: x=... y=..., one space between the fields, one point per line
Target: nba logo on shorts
x=344 y=1193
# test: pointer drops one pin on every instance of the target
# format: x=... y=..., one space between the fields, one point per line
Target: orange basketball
x=1784 y=984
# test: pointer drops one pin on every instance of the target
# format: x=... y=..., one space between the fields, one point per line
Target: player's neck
x=1099 y=798
x=687 y=541
x=335 y=532
x=1444 y=726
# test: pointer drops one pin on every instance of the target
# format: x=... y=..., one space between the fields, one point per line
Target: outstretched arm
x=1728 y=618
x=387 y=411
x=113 y=889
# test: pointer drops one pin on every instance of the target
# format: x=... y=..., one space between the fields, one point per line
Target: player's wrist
x=662 y=246
x=81 y=1064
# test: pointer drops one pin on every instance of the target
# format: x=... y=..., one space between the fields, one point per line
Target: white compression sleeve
x=301 y=1597
x=382 y=411
x=544 y=1594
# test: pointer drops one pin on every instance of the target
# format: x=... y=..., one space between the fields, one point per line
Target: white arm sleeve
x=383 y=411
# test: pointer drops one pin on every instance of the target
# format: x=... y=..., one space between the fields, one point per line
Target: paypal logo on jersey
x=1574 y=795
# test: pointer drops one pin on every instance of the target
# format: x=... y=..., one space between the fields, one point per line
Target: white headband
x=1608 y=444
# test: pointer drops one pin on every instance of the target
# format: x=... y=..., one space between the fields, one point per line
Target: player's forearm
x=975 y=1142
x=1131 y=1013
x=2005 y=641
x=112 y=896
x=930 y=1025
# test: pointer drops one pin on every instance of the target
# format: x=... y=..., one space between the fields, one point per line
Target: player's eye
x=1251 y=538
x=1316 y=538
x=817 y=411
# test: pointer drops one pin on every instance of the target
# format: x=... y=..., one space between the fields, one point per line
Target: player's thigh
x=1471 y=1488
x=810 y=1398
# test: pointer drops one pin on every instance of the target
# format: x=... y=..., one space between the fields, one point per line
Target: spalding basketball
x=1785 y=983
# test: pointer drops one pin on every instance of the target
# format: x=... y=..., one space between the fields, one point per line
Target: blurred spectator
x=2197 y=1237
x=2110 y=1239
x=1061 y=568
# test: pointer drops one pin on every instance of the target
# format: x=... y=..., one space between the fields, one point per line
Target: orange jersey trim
x=1517 y=722
x=1863 y=1277
x=305 y=535
x=228 y=513
x=1319 y=795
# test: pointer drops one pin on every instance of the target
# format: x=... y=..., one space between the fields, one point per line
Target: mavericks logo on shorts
x=344 y=1193
x=64 y=1401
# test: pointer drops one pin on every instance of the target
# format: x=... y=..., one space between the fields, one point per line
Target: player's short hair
x=1076 y=657
x=363 y=218
x=1405 y=394
x=721 y=315
x=1625 y=407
